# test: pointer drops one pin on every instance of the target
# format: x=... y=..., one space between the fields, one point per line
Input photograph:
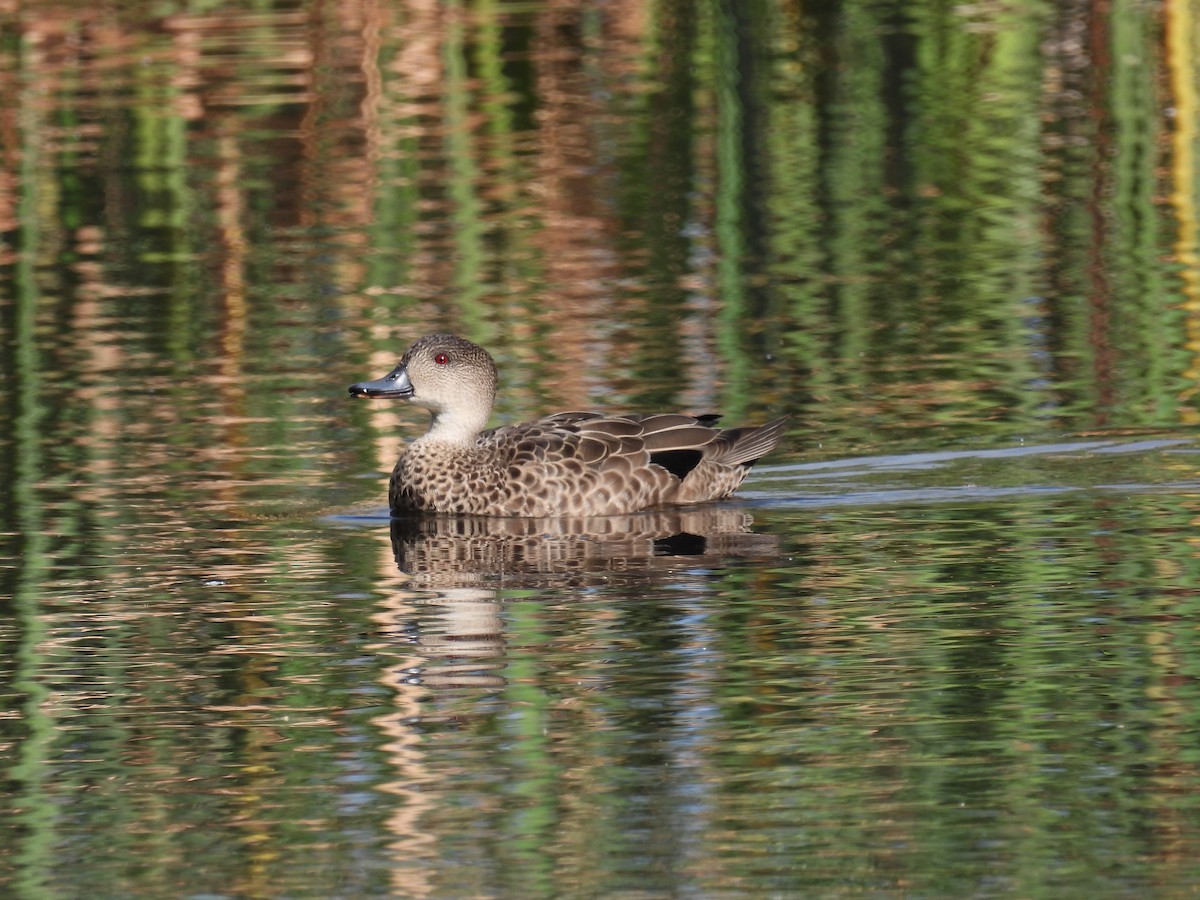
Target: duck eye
x=441 y=359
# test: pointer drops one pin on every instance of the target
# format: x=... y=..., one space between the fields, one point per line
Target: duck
x=577 y=464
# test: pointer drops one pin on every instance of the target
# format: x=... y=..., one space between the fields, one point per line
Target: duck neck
x=456 y=428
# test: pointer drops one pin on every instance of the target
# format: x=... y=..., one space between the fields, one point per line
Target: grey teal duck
x=567 y=464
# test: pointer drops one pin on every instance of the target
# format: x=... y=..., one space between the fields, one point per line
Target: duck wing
x=586 y=463
x=746 y=446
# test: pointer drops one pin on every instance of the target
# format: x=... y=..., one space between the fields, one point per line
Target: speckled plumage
x=568 y=464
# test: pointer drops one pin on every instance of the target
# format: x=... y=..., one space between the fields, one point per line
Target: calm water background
x=947 y=643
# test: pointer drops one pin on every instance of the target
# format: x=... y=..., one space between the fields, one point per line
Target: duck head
x=451 y=377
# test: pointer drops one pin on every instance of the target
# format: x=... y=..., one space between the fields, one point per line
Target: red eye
x=441 y=359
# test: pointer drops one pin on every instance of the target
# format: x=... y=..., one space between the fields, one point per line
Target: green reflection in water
x=730 y=221
x=979 y=687
x=467 y=219
x=28 y=770
x=921 y=263
x=532 y=771
x=948 y=219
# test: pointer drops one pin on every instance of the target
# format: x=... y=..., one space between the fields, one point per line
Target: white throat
x=454 y=427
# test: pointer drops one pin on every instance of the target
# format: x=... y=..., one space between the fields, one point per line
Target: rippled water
x=943 y=644
x=969 y=670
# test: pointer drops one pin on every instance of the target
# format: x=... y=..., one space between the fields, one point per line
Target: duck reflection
x=463 y=569
x=470 y=550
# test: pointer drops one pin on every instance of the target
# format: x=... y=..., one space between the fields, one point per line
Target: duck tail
x=748 y=445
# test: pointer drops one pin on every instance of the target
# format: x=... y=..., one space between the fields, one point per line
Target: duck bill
x=394 y=384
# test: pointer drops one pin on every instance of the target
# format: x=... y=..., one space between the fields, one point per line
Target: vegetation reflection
x=911 y=225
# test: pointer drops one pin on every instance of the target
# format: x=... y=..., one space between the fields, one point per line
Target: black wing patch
x=677 y=462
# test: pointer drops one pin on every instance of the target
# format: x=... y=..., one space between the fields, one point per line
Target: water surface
x=943 y=645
